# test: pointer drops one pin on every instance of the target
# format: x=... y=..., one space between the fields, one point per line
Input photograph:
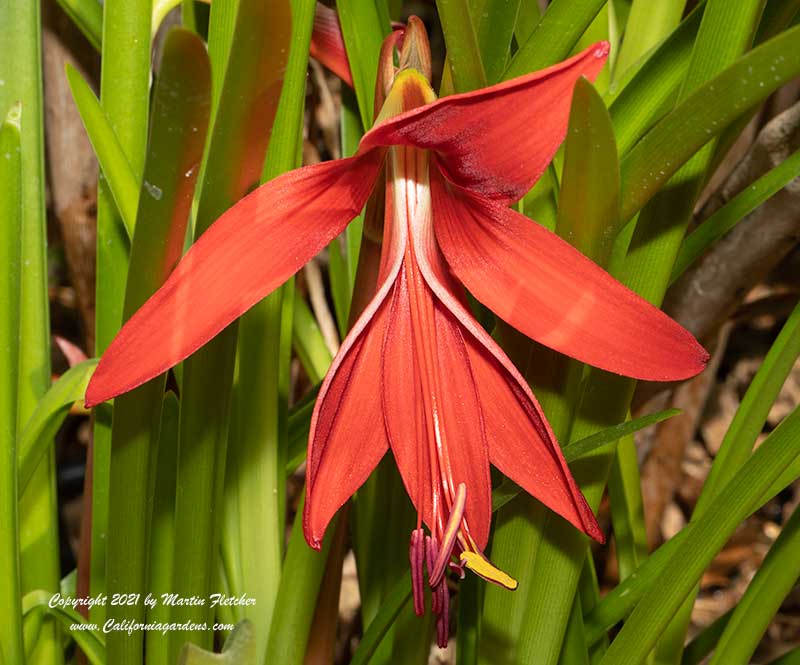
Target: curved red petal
x=248 y=252
x=520 y=441
x=327 y=43
x=521 y=444
x=551 y=292
x=497 y=140
x=347 y=438
x=435 y=405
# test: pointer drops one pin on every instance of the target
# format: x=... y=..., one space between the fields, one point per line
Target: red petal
x=521 y=443
x=247 y=253
x=549 y=291
x=452 y=399
x=347 y=438
x=327 y=43
x=497 y=140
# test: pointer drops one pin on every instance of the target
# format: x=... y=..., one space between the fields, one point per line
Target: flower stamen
x=449 y=535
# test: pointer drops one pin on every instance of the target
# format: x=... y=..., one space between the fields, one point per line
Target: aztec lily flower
x=417 y=374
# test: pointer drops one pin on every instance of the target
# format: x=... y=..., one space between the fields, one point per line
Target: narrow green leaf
x=299 y=586
x=704 y=539
x=576 y=450
x=88 y=16
x=527 y=20
x=649 y=89
x=181 y=106
x=574 y=650
x=495 y=21
x=396 y=599
x=627 y=509
x=704 y=643
x=766 y=592
x=11 y=644
x=91 y=642
x=463 y=51
x=239 y=649
x=122 y=182
x=734 y=211
x=363 y=29
x=253 y=76
x=588 y=211
x=37 y=436
x=21 y=74
x=126 y=24
x=162 y=529
x=265 y=337
x=648 y=23
x=753 y=411
x=557 y=32
x=309 y=343
x=703 y=115
x=299 y=425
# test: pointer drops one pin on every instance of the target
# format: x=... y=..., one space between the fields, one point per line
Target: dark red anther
x=431 y=552
x=417 y=556
x=443 y=618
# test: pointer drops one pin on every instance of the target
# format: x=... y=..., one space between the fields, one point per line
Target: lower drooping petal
x=521 y=443
x=247 y=253
x=431 y=408
x=347 y=437
x=549 y=291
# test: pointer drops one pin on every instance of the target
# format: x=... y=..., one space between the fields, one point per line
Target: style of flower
x=417 y=374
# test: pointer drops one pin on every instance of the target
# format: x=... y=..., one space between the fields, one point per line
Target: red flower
x=417 y=373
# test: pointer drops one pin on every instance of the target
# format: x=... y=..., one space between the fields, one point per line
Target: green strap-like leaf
x=363 y=29
x=463 y=53
x=773 y=580
x=308 y=342
x=49 y=415
x=181 y=107
x=557 y=32
x=507 y=490
x=704 y=538
x=121 y=180
x=10 y=246
x=734 y=211
x=703 y=115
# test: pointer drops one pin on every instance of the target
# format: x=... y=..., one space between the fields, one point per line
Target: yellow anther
x=484 y=568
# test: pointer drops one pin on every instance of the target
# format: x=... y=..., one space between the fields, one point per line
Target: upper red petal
x=247 y=253
x=497 y=140
x=551 y=292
